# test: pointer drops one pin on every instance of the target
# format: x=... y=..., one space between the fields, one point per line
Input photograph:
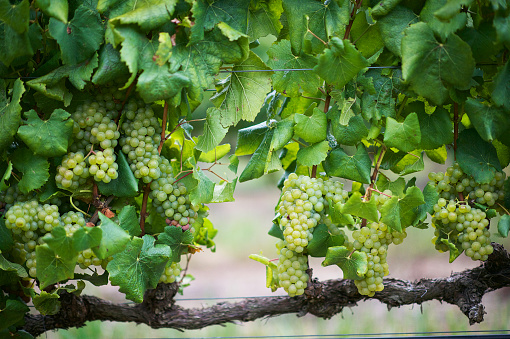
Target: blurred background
x=228 y=274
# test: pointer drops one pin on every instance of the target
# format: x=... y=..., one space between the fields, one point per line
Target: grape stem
x=188 y=259
x=351 y=21
x=503 y=207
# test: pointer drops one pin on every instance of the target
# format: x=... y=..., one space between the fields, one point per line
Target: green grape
x=292 y=270
x=73 y=171
x=171 y=273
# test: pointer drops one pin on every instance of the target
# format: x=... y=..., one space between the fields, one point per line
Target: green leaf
x=354 y=264
x=312 y=128
x=148 y=15
x=6 y=241
x=249 y=138
x=52 y=268
x=95 y=279
x=128 y=220
x=264 y=18
x=291 y=83
x=87 y=237
x=47 y=303
x=48 y=138
x=15 y=15
x=431 y=67
x=257 y=164
x=114 y=238
x=334 y=210
x=276 y=231
x=203 y=192
x=284 y=131
x=390 y=214
x=455 y=250
x=392 y=27
x=139 y=267
x=224 y=191
x=438 y=155
x=355 y=167
x=340 y=63
x=10 y=112
x=213 y=132
x=476 y=157
x=209 y=14
x=482 y=41
x=408 y=206
x=322 y=240
x=54 y=8
x=504 y=225
x=436 y=128
x=405 y=136
x=6 y=168
x=314 y=154
x=502 y=24
x=177 y=240
x=35 y=169
x=350 y=134
x=367 y=36
x=126 y=185
x=489 y=121
x=441 y=19
x=13 y=45
x=430 y=196
x=61 y=243
x=501 y=87
x=324 y=20
x=411 y=163
x=7 y=266
x=380 y=103
x=363 y=209
x=383 y=8
x=13 y=313
x=243 y=94
x=110 y=66
x=80 y=38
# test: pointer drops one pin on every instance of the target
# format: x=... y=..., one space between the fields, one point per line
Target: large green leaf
x=291 y=82
x=35 y=169
x=13 y=313
x=392 y=27
x=110 y=66
x=256 y=167
x=314 y=154
x=146 y=14
x=312 y=128
x=126 y=185
x=15 y=15
x=350 y=134
x=139 y=267
x=501 y=87
x=243 y=93
x=52 y=268
x=54 y=8
x=482 y=41
x=436 y=128
x=213 y=132
x=381 y=103
x=477 y=157
x=356 y=167
x=10 y=112
x=431 y=67
x=81 y=37
x=203 y=192
x=114 y=238
x=340 y=63
x=489 y=121
x=249 y=138
x=441 y=19
x=13 y=45
x=354 y=264
x=322 y=240
x=405 y=136
x=177 y=240
x=47 y=303
x=264 y=18
x=48 y=138
x=61 y=243
x=363 y=209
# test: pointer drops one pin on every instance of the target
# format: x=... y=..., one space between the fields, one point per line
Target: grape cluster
x=374 y=240
x=171 y=272
x=103 y=166
x=29 y=221
x=11 y=195
x=142 y=135
x=292 y=267
x=73 y=171
x=454 y=183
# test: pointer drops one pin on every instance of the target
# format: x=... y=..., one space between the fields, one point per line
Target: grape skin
x=171 y=273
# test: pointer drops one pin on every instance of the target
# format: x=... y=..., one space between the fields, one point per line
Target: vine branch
x=464 y=289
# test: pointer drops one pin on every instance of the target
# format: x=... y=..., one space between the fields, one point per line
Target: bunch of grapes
x=171 y=272
x=73 y=171
x=455 y=184
x=292 y=267
x=374 y=240
x=464 y=225
x=142 y=135
x=29 y=221
x=103 y=166
x=11 y=195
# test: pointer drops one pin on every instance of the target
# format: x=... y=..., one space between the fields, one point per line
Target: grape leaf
x=6 y=241
x=138 y=267
x=224 y=191
x=405 y=136
x=322 y=240
x=87 y=237
x=455 y=249
x=203 y=192
x=148 y=15
x=477 y=157
x=80 y=38
x=213 y=132
x=243 y=94
x=334 y=210
x=363 y=209
x=60 y=243
x=501 y=87
x=431 y=67
x=264 y=18
x=128 y=220
x=430 y=196
x=257 y=164
x=35 y=169
x=276 y=231
x=340 y=63
x=7 y=266
x=355 y=167
x=13 y=45
x=354 y=264
x=314 y=154
x=436 y=128
x=284 y=131
x=12 y=313
x=489 y=121
x=15 y=15
x=312 y=128
x=504 y=225
x=52 y=268
x=95 y=279
x=291 y=82
x=411 y=163
x=47 y=303
x=380 y=103
x=249 y=138
x=126 y=185
x=114 y=238
x=392 y=27
x=177 y=240
x=10 y=112
x=349 y=134
x=110 y=66
x=48 y=138
x=54 y=8
x=6 y=169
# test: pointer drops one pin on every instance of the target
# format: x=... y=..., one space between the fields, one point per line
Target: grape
x=171 y=272
x=292 y=267
x=73 y=171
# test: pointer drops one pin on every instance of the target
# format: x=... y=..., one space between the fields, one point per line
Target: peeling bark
x=323 y=299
